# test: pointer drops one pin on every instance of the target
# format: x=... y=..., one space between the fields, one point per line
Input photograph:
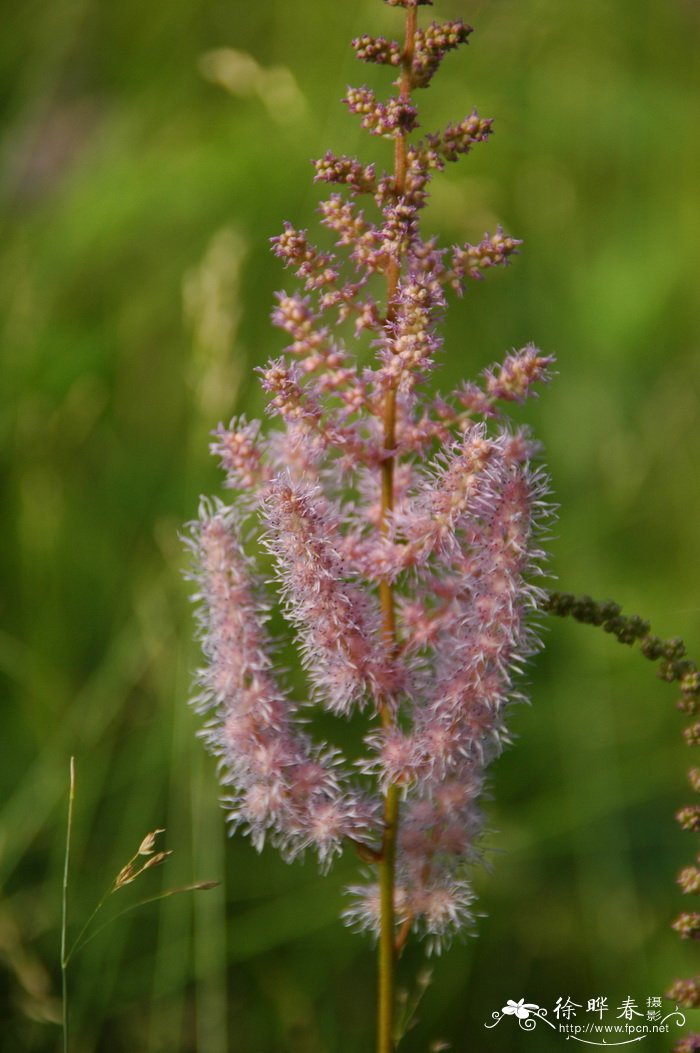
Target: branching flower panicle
x=404 y=533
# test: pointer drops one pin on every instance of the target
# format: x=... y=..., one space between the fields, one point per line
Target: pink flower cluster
x=457 y=544
x=282 y=784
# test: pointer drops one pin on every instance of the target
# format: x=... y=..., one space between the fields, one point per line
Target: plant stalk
x=387 y=945
x=386 y=1027
x=64 y=909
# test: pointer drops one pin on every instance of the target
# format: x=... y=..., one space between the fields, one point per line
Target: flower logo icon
x=528 y=1014
x=521 y=1008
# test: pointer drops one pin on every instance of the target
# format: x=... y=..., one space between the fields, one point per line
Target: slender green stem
x=64 y=908
x=198 y=886
x=79 y=941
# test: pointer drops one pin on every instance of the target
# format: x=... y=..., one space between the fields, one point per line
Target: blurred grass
x=135 y=290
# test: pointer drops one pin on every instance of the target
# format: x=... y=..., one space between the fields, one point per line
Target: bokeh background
x=148 y=152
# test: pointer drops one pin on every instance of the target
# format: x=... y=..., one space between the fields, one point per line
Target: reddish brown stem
x=387 y=869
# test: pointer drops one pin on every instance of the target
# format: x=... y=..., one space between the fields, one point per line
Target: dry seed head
x=155 y=860
x=147 y=845
x=125 y=876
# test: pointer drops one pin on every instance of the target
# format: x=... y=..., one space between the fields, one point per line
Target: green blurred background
x=142 y=171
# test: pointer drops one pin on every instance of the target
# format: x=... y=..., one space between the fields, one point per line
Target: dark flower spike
x=673 y=666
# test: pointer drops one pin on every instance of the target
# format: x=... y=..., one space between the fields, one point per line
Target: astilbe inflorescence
x=402 y=528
